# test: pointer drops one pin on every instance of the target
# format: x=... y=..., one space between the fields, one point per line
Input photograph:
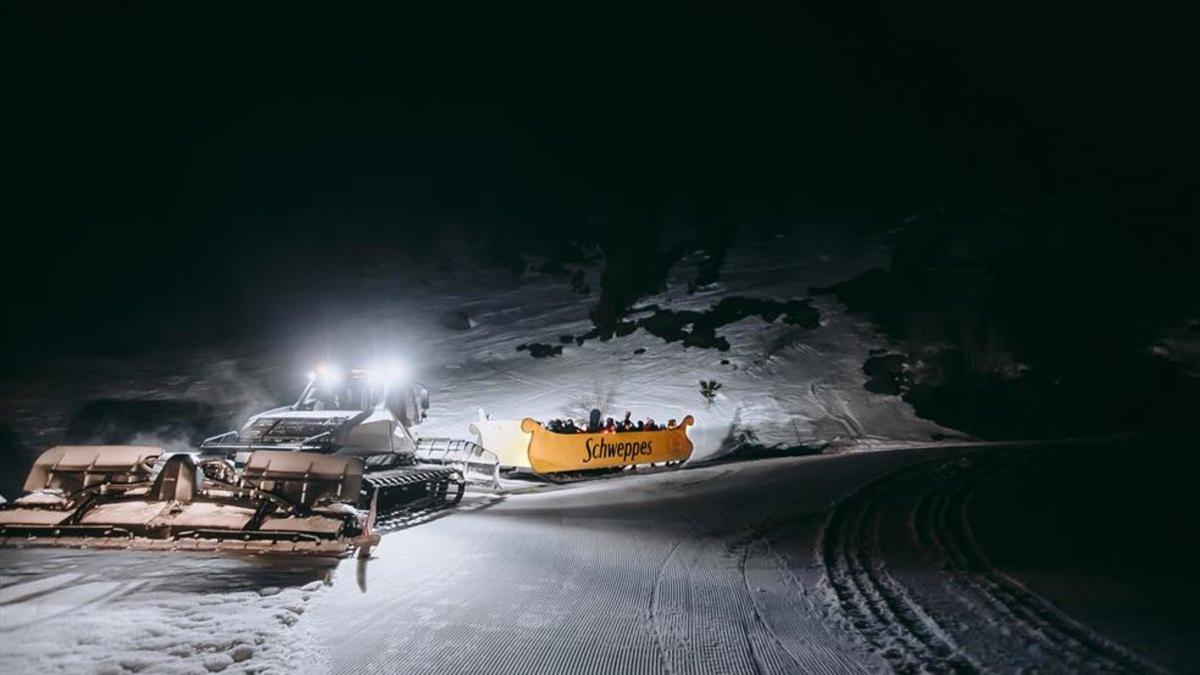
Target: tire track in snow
x=796 y=620
x=783 y=631
x=783 y=607
x=68 y=598
x=790 y=623
x=650 y=611
x=701 y=609
x=1011 y=627
x=873 y=603
x=941 y=525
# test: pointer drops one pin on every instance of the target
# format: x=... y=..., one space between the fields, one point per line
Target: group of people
x=596 y=424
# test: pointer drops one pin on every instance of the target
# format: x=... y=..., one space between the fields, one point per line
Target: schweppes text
x=626 y=450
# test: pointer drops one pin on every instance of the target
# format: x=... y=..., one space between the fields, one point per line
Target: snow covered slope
x=781 y=384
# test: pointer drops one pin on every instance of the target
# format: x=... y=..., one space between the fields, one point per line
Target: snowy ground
x=887 y=561
x=843 y=562
x=781 y=384
x=106 y=612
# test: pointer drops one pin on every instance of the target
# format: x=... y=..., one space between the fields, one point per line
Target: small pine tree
x=709 y=390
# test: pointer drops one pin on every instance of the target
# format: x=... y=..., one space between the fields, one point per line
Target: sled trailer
x=562 y=455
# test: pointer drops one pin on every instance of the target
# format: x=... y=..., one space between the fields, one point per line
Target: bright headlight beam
x=328 y=375
x=396 y=370
x=392 y=370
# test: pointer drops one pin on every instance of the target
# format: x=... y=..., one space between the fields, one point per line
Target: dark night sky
x=153 y=152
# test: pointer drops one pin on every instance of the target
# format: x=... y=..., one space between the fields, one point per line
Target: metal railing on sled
x=478 y=466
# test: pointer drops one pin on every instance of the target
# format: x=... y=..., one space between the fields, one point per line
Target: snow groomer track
x=876 y=562
x=734 y=568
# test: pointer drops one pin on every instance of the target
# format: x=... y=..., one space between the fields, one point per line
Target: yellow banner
x=550 y=452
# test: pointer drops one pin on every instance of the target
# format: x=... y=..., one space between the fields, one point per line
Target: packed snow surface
x=861 y=562
x=66 y=611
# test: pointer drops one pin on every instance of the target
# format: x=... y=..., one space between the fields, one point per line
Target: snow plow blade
x=552 y=453
x=73 y=467
x=130 y=497
x=305 y=476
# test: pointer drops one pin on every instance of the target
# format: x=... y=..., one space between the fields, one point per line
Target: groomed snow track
x=865 y=563
x=643 y=574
